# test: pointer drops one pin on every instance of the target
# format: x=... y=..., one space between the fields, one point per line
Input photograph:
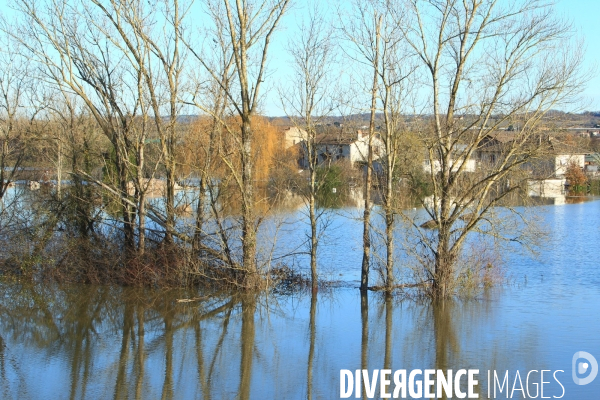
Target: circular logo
x=581 y=367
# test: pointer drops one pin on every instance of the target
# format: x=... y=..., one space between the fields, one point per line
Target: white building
x=293 y=136
x=339 y=146
x=547 y=170
x=562 y=161
x=435 y=166
x=553 y=161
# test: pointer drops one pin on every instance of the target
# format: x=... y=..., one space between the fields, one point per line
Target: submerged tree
x=308 y=102
x=123 y=63
x=78 y=139
x=364 y=34
x=395 y=85
x=17 y=89
x=243 y=31
x=486 y=64
x=74 y=57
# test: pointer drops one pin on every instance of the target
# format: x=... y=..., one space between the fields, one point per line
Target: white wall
x=546 y=187
x=562 y=161
x=354 y=152
x=470 y=166
x=294 y=136
x=359 y=149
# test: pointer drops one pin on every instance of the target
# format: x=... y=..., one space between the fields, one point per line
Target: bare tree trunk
x=170 y=203
x=389 y=211
x=200 y=214
x=248 y=220
x=389 y=196
x=364 y=277
x=142 y=224
x=127 y=209
x=59 y=165
x=314 y=278
x=444 y=264
x=312 y=192
x=141 y=187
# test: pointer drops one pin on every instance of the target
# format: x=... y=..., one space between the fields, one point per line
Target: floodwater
x=74 y=342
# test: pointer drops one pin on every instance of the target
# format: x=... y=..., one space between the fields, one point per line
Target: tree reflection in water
x=446 y=343
x=389 y=311
x=94 y=342
x=311 y=347
x=2 y=361
x=364 y=318
x=247 y=347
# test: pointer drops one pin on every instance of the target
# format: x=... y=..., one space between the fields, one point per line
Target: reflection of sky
x=534 y=323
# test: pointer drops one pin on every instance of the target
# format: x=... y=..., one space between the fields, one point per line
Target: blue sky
x=584 y=15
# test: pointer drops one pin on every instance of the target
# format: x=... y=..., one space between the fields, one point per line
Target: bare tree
x=19 y=133
x=486 y=64
x=308 y=103
x=151 y=36
x=210 y=95
x=394 y=74
x=394 y=71
x=79 y=141
x=364 y=33
x=80 y=54
x=249 y=27
x=17 y=113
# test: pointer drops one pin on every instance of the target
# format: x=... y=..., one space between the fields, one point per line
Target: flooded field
x=105 y=342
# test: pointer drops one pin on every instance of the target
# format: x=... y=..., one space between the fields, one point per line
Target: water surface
x=101 y=342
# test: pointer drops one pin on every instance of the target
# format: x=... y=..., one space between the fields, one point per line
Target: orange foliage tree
x=204 y=138
x=575 y=177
